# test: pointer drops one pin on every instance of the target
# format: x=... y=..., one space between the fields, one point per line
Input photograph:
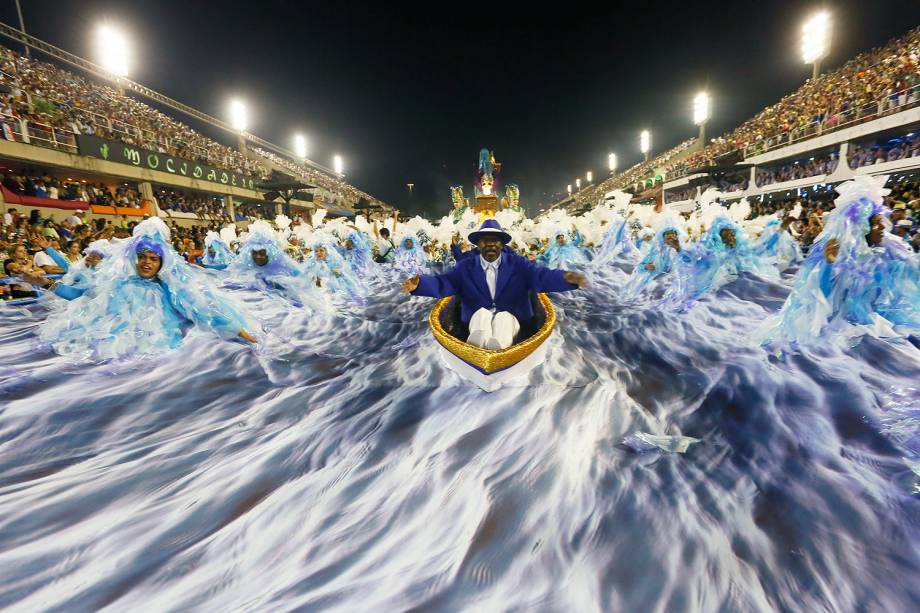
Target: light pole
x=816 y=41
x=568 y=188
x=578 y=183
x=22 y=25
x=701 y=112
x=589 y=176
x=338 y=165
x=612 y=162
x=645 y=143
x=238 y=122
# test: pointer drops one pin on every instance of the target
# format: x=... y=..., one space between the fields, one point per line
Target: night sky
x=411 y=94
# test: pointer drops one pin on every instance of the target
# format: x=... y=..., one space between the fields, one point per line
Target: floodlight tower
x=701 y=114
x=112 y=53
x=612 y=162
x=816 y=41
x=238 y=120
x=300 y=146
x=645 y=143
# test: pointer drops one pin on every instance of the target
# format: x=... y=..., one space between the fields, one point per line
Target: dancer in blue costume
x=410 y=258
x=358 y=252
x=139 y=301
x=663 y=257
x=777 y=244
x=722 y=254
x=217 y=253
x=857 y=279
x=615 y=245
x=561 y=253
x=331 y=271
x=263 y=265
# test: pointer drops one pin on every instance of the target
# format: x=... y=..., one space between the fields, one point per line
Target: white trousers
x=493 y=331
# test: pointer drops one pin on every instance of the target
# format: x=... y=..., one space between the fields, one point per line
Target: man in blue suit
x=494 y=288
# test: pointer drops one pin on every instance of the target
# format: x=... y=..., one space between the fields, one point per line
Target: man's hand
x=649 y=266
x=575 y=278
x=831 y=249
x=411 y=284
x=246 y=336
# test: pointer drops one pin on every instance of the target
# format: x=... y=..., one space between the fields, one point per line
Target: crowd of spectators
x=205 y=206
x=798 y=169
x=869 y=153
x=883 y=80
x=880 y=81
x=50 y=98
x=57 y=98
x=40 y=184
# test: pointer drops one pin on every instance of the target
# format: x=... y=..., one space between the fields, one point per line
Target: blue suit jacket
x=517 y=278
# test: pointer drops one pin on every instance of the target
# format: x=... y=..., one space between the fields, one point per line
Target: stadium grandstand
x=78 y=138
x=861 y=118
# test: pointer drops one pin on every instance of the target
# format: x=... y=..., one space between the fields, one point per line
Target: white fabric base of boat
x=490 y=383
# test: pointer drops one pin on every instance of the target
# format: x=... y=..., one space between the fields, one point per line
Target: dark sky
x=411 y=93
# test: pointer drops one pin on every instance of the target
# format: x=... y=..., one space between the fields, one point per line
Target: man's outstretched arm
x=542 y=279
x=433 y=286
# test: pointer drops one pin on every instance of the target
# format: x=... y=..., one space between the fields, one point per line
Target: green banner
x=114 y=151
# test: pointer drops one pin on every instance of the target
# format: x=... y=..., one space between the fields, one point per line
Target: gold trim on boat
x=491 y=360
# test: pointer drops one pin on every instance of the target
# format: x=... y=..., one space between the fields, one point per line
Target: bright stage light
x=112 y=50
x=645 y=141
x=701 y=108
x=589 y=176
x=568 y=188
x=578 y=183
x=337 y=164
x=238 y=115
x=300 y=146
x=816 y=37
x=612 y=162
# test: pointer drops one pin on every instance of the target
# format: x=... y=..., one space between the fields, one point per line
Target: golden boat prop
x=488 y=368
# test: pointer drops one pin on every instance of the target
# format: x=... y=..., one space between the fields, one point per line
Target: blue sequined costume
x=121 y=314
x=866 y=289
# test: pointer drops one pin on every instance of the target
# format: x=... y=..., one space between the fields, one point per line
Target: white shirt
x=7 y=219
x=42 y=259
x=491 y=270
x=75 y=220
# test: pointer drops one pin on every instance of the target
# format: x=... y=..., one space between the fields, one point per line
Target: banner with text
x=114 y=151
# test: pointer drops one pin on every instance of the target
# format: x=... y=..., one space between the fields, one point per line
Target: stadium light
x=112 y=50
x=337 y=164
x=578 y=183
x=568 y=188
x=300 y=146
x=816 y=40
x=238 y=115
x=701 y=112
x=589 y=176
x=612 y=162
x=645 y=143
x=701 y=108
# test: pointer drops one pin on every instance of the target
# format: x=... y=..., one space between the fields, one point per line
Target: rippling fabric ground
x=341 y=466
